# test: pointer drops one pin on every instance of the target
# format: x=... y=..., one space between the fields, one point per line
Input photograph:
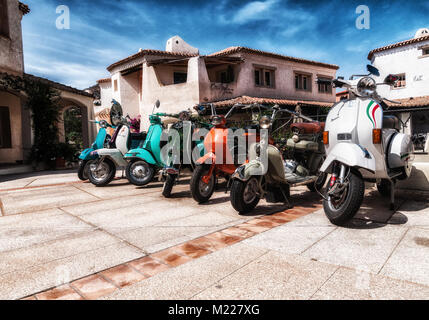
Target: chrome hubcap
x=99 y=171
x=139 y=170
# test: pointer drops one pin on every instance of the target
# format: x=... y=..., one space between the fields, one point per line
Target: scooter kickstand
x=392 y=195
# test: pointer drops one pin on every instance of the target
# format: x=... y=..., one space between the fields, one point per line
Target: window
x=180 y=77
x=264 y=77
x=4 y=19
x=425 y=51
x=225 y=76
x=5 y=134
x=325 y=87
x=420 y=130
x=401 y=83
x=115 y=85
x=302 y=81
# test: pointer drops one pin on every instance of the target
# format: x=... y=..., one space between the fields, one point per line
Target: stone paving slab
x=30 y=200
x=271 y=276
x=365 y=249
x=410 y=260
x=21 y=283
x=292 y=237
x=187 y=280
x=349 y=284
x=19 y=231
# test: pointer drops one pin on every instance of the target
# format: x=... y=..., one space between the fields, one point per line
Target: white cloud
x=256 y=10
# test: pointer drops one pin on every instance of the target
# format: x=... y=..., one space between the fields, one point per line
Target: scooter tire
x=197 y=175
x=109 y=177
x=237 y=197
x=82 y=171
x=168 y=185
x=149 y=177
x=351 y=203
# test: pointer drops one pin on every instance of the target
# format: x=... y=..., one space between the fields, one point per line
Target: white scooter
x=362 y=145
x=102 y=171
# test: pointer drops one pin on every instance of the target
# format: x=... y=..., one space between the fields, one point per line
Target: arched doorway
x=73 y=133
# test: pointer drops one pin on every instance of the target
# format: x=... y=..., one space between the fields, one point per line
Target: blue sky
x=102 y=32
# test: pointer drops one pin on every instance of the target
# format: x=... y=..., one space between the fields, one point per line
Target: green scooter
x=146 y=160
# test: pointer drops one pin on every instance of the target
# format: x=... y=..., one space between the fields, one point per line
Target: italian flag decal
x=370 y=112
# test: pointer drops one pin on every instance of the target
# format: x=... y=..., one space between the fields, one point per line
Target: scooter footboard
x=351 y=155
x=86 y=154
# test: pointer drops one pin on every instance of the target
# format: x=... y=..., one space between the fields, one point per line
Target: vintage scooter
x=102 y=170
x=101 y=141
x=362 y=145
x=267 y=175
x=223 y=155
x=146 y=159
x=187 y=141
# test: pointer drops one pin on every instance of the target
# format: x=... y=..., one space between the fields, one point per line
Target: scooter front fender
x=351 y=155
x=208 y=158
x=86 y=154
x=142 y=154
x=248 y=170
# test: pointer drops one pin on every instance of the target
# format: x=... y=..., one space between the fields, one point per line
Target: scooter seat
x=391 y=122
x=303 y=145
x=308 y=127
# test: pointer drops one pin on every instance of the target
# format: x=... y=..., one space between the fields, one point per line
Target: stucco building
x=181 y=78
x=409 y=61
x=15 y=122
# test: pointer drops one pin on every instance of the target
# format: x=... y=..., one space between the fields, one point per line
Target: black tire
x=351 y=203
x=168 y=185
x=197 y=193
x=384 y=187
x=238 y=198
x=139 y=181
x=318 y=184
x=110 y=169
x=82 y=172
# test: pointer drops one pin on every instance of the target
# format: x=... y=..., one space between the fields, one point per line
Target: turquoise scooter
x=146 y=160
x=101 y=141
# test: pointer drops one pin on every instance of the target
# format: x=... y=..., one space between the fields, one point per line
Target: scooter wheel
x=104 y=175
x=82 y=172
x=342 y=208
x=139 y=172
x=168 y=185
x=244 y=195
x=202 y=192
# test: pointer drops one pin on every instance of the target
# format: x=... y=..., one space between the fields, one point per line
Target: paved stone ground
x=125 y=242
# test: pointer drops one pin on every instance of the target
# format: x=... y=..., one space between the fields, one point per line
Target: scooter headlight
x=265 y=122
x=366 y=86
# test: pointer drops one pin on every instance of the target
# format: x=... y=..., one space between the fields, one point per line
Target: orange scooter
x=223 y=154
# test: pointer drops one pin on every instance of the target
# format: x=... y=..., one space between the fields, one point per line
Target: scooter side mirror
x=157 y=104
x=116 y=113
x=373 y=70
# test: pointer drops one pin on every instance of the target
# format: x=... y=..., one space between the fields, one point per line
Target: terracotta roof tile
x=104 y=80
x=287 y=102
x=232 y=50
x=396 y=45
x=422 y=101
x=150 y=52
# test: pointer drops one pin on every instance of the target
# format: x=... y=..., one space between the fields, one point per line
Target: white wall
x=406 y=60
